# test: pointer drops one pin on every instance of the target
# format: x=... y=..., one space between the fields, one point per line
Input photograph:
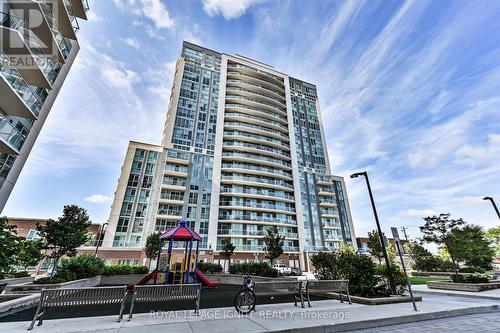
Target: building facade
x=38 y=47
x=243 y=150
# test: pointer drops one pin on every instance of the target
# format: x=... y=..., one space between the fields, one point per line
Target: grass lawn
x=425 y=279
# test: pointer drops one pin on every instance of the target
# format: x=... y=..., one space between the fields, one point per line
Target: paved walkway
x=324 y=316
x=485 y=322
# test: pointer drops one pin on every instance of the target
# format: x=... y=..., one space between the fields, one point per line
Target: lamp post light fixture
x=380 y=235
x=102 y=231
x=494 y=205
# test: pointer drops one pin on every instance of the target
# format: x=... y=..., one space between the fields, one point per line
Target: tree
x=64 y=236
x=437 y=229
x=274 y=244
x=416 y=251
x=152 y=247
x=227 y=250
x=29 y=253
x=470 y=246
x=493 y=235
x=9 y=245
x=374 y=247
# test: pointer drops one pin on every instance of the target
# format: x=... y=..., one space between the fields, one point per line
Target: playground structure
x=169 y=270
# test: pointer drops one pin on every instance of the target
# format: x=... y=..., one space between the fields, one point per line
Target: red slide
x=204 y=281
x=148 y=277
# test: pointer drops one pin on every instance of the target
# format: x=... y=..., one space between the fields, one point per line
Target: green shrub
x=472 y=269
x=84 y=266
x=66 y=275
x=359 y=269
x=384 y=287
x=256 y=268
x=475 y=278
x=433 y=264
x=20 y=274
x=124 y=270
x=209 y=268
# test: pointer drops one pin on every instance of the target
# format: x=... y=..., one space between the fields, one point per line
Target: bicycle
x=245 y=299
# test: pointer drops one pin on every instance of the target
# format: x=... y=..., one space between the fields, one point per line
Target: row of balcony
x=253 y=86
x=256 y=129
x=258 y=204
x=258 y=147
x=273 y=78
x=255 y=101
x=277 y=102
x=257 y=138
x=251 y=157
x=252 y=191
x=258 y=113
x=249 y=77
x=257 y=248
x=31 y=57
x=259 y=180
x=256 y=233
x=259 y=168
x=288 y=220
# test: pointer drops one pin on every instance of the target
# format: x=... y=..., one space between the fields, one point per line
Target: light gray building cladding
x=38 y=46
x=243 y=150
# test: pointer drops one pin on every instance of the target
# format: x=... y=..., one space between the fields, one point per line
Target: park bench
x=2 y=287
x=162 y=293
x=328 y=286
x=297 y=289
x=63 y=298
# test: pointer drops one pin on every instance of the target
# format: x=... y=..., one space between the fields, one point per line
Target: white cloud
x=155 y=10
x=230 y=9
x=93 y=17
x=479 y=155
x=118 y=77
x=98 y=199
x=132 y=42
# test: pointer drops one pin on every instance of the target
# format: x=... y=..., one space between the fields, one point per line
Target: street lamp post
x=494 y=205
x=384 y=251
x=102 y=231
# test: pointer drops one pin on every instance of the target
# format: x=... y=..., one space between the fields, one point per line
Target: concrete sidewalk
x=324 y=316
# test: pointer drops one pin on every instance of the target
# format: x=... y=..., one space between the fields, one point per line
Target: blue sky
x=409 y=91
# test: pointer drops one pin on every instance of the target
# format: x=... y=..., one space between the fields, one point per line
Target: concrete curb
x=451 y=294
x=373 y=323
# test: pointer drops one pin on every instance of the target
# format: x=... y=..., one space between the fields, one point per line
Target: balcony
x=55 y=23
x=252 y=192
x=256 y=219
x=257 y=248
x=255 y=233
x=18 y=98
x=80 y=8
x=24 y=47
x=11 y=140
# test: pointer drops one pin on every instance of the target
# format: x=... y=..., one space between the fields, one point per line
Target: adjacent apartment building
x=243 y=150
x=38 y=47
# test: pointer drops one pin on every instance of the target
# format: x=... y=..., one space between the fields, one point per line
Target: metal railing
x=10 y=134
x=230 y=217
x=16 y=81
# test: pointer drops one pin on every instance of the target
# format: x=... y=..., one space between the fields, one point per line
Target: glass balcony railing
x=257 y=137
x=264 y=115
x=257 y=158
x=10 y=134
x=256 y=85
x=33 y=101
x=259 y=101
x=61 y=42
x=257 y=248
x=257 y=127
x=231 y=217
x=49 y=67
x=257 y=168
x=251 y=204
x=277 y=88
x=256 y=146
x=260 y=180
x=277 y=100
x=254 y=233
x=255 y=191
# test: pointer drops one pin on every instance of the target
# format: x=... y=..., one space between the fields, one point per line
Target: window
x=133 y=180
x=122 y=225
x=33 y=234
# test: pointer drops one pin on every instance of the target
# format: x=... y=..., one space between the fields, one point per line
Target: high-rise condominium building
x=243 y=150
x=38 y=46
